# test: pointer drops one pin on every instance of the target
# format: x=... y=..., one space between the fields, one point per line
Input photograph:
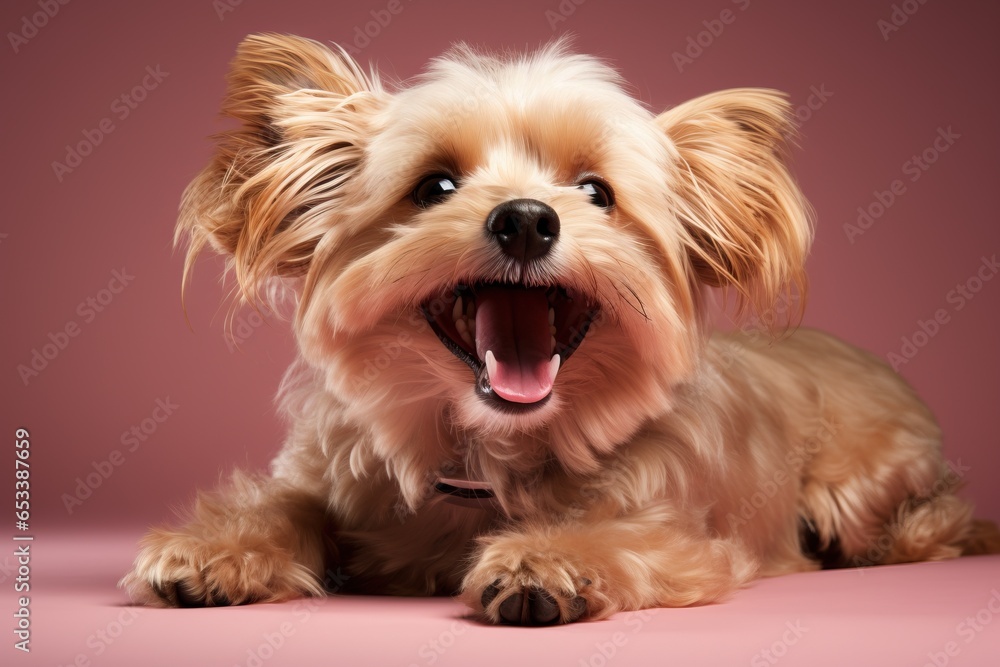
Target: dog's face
x=507 y=248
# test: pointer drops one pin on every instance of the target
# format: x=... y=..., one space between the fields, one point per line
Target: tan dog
x=500 y=275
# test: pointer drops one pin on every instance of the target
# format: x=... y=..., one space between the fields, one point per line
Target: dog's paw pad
x=531 y=605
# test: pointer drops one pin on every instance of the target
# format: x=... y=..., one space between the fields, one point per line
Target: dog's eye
x=433 y=190
x=600 y=193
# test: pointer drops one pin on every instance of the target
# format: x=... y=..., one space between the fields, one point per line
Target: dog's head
x=510 y=249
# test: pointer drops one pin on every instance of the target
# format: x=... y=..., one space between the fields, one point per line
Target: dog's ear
x=266 y=197
x=746 y=223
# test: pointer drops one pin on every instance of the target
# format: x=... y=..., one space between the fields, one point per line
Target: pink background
x=60 y=241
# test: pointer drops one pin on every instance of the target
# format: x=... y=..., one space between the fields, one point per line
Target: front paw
x=517 y=585
x=178 y=569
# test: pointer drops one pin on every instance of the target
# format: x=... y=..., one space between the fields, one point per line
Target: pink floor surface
x=924 y=614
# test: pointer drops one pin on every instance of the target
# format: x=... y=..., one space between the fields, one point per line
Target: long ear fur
x=748 y=226
x=266 y=197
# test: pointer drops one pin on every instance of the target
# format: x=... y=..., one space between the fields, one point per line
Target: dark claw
x=490 y=593
x=220 y=599
x=165 y=593
x=185 y=598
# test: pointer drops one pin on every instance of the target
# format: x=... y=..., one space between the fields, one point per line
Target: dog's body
x=527 y=220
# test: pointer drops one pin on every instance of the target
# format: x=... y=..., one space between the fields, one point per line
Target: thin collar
x=459 y=490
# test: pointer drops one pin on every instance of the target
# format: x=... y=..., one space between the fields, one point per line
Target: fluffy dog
x=507 y=388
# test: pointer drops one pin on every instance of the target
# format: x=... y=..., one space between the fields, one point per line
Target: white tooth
x=552 y=329
x=552 y=315
x=554 y=367
x=461 y=326
x=491 y=364
x=465 y=337
x=456 y=311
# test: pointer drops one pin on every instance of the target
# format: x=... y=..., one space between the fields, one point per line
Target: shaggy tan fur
x=668 y=466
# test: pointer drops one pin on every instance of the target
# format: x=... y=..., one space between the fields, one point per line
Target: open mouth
x=515 y=338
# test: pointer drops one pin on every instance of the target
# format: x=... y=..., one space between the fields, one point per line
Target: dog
x=508 y=388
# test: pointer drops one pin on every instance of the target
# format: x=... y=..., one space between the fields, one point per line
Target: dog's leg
x=258 y=540
x=934 y=525
x=879 y=490
x=542 y=574
x=874 y=485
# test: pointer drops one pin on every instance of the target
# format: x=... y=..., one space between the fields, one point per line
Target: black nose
x=525 y=228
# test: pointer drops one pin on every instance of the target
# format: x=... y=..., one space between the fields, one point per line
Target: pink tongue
x=514 y=325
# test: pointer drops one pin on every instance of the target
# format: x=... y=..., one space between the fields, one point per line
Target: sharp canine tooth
x=491 y=364
x=554 y=367
x=456 y=311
